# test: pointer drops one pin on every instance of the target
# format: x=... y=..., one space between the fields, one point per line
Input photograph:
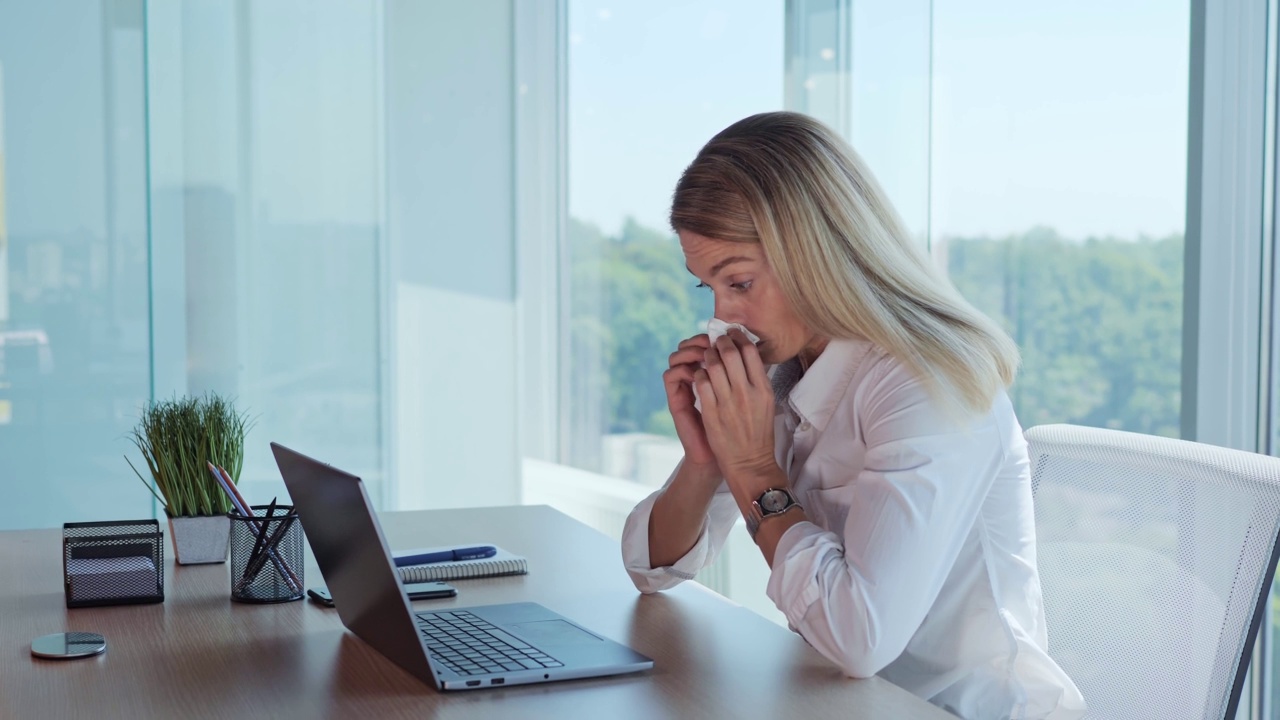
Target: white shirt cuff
x=635 y=553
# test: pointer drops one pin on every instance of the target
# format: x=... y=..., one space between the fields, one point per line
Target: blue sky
x=1071 y=115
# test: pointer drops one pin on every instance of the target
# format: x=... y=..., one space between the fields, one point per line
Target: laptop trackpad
x=554 y=632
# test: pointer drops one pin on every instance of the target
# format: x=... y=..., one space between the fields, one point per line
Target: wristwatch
x=774 y=501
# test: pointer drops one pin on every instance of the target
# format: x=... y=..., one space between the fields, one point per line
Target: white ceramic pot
x=198 y=540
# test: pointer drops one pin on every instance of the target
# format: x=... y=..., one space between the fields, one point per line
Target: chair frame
x=1255 y=625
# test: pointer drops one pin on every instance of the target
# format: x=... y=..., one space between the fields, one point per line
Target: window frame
x=542 y=209
x=1227 y=280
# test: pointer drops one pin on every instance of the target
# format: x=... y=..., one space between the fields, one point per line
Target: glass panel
x=1058 y=196
x=649 y=84
x=638 y=113
x=1051 y=187
x=890 y=80
x=266 y=177
x=256 y=136
x=73 y=260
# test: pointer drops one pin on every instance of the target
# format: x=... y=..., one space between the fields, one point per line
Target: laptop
x=459 y=649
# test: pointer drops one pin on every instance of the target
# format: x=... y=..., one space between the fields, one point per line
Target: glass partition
x=73 y=260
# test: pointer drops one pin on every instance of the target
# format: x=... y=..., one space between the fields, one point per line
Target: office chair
x=1155 y=556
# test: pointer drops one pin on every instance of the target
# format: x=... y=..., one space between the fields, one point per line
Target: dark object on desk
x=68 y=645
x=112 y=563
x=266 y=555
x=429 y=590
x=415 y=591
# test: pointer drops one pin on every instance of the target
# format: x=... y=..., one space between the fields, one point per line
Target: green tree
x=634 y=301
x=1098 y=322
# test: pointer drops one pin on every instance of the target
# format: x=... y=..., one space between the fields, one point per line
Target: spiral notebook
x=503 y=563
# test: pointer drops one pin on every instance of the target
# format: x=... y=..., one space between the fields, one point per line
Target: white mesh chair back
x=1155 y=556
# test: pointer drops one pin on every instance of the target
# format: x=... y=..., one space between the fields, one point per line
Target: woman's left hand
x=737 y=408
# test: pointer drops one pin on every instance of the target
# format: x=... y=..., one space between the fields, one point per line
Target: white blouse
x=917 y=562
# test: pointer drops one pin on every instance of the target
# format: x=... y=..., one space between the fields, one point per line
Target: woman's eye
x=739 y=287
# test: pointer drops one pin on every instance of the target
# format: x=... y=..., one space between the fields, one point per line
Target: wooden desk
x=199 y=655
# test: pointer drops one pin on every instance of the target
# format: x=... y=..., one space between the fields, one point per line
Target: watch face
x=774 y=501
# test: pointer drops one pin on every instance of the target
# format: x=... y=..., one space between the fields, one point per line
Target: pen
x=253 y=564
x=455 y=555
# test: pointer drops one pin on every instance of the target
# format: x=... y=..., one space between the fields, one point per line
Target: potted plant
x=177 y=438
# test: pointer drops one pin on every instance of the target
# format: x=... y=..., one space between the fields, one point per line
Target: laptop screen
x=347 y=541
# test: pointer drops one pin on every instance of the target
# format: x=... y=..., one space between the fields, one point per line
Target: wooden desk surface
x=199 y=655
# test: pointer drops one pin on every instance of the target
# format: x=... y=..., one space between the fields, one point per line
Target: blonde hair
x=842 y=256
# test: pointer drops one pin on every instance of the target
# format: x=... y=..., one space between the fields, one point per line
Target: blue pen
x=455 y=555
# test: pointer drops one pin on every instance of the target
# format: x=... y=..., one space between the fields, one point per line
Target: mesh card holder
x=112 y=563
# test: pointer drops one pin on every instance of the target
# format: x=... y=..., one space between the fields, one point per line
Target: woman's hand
x=678 y=380
x=737 y=409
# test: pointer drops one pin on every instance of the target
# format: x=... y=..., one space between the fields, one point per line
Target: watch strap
x=756 y=515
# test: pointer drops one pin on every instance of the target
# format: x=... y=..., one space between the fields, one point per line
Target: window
x=73 y=260
x=1052 y=189
x=267 y=219
x=648 y=85
x=270 y=201
x=1058 y=185
x=1049 y=180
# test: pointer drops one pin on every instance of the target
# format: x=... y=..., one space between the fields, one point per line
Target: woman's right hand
x=678 y=380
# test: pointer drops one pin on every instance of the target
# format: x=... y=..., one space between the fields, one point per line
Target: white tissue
x=716 y=328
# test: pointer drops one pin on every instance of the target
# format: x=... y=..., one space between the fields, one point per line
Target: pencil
x=274 y=541
x=235 y=492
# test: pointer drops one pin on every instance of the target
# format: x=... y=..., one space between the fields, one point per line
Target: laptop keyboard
x=470 y=646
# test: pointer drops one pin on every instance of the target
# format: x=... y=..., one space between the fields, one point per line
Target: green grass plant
x=177 y=438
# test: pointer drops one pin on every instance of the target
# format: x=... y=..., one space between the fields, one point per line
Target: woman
x=867 y=439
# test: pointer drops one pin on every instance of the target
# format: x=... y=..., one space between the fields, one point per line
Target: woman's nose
x=729 y=311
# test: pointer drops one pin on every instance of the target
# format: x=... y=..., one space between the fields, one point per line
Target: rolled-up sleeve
x=635 y=542
x=859 y=594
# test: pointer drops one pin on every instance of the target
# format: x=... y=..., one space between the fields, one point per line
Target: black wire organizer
x=112 y=563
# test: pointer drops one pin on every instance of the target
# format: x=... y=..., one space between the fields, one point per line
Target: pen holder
x=266 y=556
x=112 y=563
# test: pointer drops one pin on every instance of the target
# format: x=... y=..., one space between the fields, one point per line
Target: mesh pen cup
x=266 y=556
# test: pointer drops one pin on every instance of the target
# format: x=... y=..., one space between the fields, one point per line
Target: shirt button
x=804 y=426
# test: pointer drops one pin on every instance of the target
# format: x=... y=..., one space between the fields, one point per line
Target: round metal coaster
x=64 y=646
